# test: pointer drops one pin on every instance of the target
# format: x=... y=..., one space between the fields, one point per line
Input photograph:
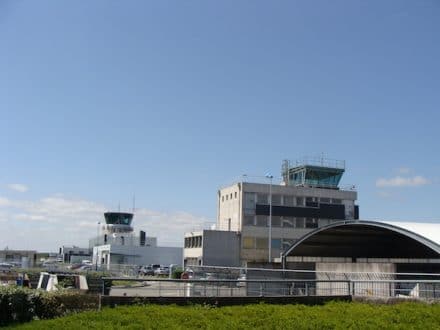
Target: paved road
x=165 y=289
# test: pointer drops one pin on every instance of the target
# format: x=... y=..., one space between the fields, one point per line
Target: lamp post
x=270 y=177
x=97 y=244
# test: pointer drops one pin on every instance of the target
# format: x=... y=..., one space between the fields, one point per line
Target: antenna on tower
x=134 y=202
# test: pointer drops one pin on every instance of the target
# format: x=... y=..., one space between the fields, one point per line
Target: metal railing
x=420 y=289
x=319 y=161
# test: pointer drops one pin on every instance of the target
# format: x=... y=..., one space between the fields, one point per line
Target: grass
x=334 y=315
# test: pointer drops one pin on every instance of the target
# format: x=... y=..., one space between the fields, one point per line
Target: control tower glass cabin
x=313 y=172
x=118 y=222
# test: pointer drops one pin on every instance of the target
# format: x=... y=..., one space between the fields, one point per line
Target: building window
x=276 y=221
x=236 y=195
x=324 y=200
x=288 y=222
x=227 y=197
x=262 y=243
x=300 y=201
x=231 y=195
x=248 y=220
x=262 y=199
x=311 y=223
x=223 y=198
x=249 y=204
x=248 y=243
x=276 y=243
x=336 y=201
x=288 y=201
x=312 y=202
x=299 y=223
x=262 y=220
x=276 y=199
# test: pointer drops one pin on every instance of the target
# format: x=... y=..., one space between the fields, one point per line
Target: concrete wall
x=355 y=271
x=229 y=201
x=142 y=255
x=130 y=239
x=221 y=248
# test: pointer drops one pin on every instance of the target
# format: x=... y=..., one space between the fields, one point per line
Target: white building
x=74 y=254
x=119 y=245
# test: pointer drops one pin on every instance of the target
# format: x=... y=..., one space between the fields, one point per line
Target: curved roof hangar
x=363 y=239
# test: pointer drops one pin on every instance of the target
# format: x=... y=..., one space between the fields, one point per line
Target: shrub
x=177 y=273
x=19 y=304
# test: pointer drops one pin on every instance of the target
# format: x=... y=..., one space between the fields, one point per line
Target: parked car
x=209 y=276
x=187 y=274
x=5 y=267
x=148 y=269
x=163 y=270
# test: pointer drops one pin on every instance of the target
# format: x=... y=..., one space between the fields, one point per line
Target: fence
x=154 y=287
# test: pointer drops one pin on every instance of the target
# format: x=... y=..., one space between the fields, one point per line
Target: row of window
x=229 y=196
x=277 y=221
x=284 y=200
x=193 y=242
x=263 y=242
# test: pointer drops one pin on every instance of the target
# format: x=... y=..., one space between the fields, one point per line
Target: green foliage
x=177 y=272
x=19 y=304
x=334 y=315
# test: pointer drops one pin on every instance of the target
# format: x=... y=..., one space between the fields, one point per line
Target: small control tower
x=313 y=172
x=118 y=222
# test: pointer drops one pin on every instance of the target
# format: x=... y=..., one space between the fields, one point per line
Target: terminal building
x=308 y=197
x=117 y=244
x=19 y=258
x=74 y=254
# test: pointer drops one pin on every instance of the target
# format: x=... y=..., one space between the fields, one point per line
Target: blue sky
x=172 y=99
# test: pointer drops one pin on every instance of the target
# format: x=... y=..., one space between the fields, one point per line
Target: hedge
x=19 y=304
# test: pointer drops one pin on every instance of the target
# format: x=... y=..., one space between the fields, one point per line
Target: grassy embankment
x=335 y=315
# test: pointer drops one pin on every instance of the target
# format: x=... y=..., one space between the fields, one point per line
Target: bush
x=19 y=304
x=177 y=273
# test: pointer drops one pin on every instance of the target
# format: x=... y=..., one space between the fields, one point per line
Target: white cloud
x=50 y=222
x=4 y=202
x=400 y=181
x=428 y=230
x=18 y=187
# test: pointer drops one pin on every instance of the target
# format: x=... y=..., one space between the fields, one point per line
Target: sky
x=167 y=101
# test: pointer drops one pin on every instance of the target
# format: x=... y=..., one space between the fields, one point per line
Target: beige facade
x=305 y=208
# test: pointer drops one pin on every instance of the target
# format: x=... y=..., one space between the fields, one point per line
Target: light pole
x=97 y=244
x=270 y=177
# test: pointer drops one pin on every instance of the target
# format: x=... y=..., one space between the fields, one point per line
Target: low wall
x=113 y=301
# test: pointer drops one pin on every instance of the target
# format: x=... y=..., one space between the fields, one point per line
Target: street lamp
x=96 y=245
x=270 y=177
